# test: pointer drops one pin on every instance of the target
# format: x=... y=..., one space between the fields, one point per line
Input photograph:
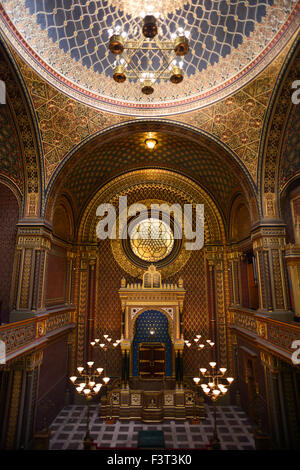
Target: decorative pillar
x=234 y=259
x=216 y=287
x=268 y=247
x=276 y=402
x=292 y=257
x=20 y=398
x=29 y=274
x=86 y=300
x=70 y=276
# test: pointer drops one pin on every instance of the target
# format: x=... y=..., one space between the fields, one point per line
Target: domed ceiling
x=231 y=41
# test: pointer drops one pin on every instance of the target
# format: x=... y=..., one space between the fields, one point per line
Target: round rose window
x=151 y=240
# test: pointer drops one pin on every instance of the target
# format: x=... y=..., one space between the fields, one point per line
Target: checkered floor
x=234 y=430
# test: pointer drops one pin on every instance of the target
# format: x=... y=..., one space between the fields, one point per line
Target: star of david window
x=151 y=240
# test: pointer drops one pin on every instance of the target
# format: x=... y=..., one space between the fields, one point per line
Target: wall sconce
x=150 y=143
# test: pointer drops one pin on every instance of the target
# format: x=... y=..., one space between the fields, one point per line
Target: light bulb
x=102 y=345
x=100 y=370
x=212 y=364
x=80 y=369
x=73 y=378
x=198 y=336
x=203 y=370
x=93 y=343
x=97 y=340
x=105 y=336
x=201 y=346
x=223 y=370
x=90 y=363
x=196 y=380
x=230 y=379
x=106 y=380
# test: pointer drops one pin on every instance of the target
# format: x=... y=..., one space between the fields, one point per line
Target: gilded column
x=292 y=256
x=234 y=259
x=29 y=275
x=20 y=397
x=215 y=258
x=268 y=247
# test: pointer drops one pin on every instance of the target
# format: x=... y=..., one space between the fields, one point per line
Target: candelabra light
x=197 y=342
x=88 y=384
x=214 y=384
x=104 y=347
x=162 y=60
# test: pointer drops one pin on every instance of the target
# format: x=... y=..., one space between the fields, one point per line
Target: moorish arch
x=28 y=133
x=105 y=149
x=276 y=123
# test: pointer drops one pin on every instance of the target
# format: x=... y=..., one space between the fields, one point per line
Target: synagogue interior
x=150 y=224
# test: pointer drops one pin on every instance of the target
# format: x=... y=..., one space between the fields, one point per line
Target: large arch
x=27 y=132
x=273 y=135
x=120 y=134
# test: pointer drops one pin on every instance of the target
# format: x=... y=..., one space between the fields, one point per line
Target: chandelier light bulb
x=203 y=370
x=196 y=380
x=100 y=370
x=105 y=336
x=211 y=384
x=97 y=340
x=201 y=346
x=73 y=378
x=102 y=345
x=86 y=391
x=198 y=336
x=230 y=379
x=93 y=343
x=216 y=392
x=90 y=363
x=82 y=385
x=79 y=389
x=106 y=380
x=223 y=370
x=196 y=340
x=80 y=369
x=212 y=364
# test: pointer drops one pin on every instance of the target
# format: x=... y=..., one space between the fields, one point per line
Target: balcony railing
x=278 y=336
x=22 y=336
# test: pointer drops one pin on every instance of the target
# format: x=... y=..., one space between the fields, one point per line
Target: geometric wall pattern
x=290 y=157
x=9 y=214
x=10 y=154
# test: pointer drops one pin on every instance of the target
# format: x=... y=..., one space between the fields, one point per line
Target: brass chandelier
x=172 y=51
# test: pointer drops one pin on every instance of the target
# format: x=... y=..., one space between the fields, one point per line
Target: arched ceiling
x=96 y=163
x=231 y=41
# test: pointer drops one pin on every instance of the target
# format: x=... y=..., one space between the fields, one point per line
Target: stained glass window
x=152 y=240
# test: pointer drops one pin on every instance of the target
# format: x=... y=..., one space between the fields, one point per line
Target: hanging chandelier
x=135 y=62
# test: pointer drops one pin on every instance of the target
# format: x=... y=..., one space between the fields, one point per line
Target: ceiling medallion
x=134 y=60
x=136 y=8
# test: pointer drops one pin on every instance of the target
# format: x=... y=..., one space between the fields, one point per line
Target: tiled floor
x=234 y=430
